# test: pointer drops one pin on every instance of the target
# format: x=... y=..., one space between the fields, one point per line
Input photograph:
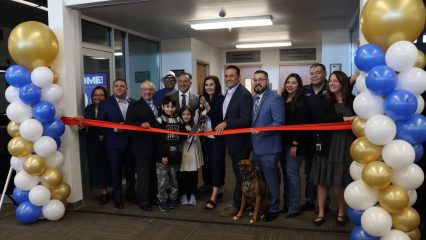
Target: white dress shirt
x=228 y=97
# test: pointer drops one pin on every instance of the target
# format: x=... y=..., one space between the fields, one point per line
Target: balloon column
x=389 y=128
x=35 y=125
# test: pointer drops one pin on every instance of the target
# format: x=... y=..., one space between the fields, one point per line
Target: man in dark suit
x=144 y=113
x=268 y=110
x=237 y=113
x=114 y=109
x=183 y=96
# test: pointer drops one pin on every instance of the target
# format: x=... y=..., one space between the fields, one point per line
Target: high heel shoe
x=319 y=221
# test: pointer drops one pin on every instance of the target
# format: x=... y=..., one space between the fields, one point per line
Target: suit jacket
x=110 y=111
x=269 y=113
x=142 y=142
x=239 y=115
x=193 y=100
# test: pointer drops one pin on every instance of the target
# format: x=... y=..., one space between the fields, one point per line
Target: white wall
x=175 y=54
x=336 y=48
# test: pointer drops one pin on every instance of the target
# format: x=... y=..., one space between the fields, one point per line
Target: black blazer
x=142 y=142
x=296 y=113
x=239 y=115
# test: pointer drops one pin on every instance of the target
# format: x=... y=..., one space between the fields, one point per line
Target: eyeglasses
x=169 y=79
x=259 y=79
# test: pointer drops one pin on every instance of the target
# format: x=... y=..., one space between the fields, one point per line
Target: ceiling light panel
x=230 y=23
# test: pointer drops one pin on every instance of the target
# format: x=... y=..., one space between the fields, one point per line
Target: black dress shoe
x=146 y=207
x=104 y=198
x=271 y=216
x=292 y=215
x=119 y=205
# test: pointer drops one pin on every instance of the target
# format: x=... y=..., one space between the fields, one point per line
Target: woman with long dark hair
x=296 y=112
x=214 y=146
x=332 y=159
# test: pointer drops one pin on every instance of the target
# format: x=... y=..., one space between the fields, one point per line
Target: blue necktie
x=153 y=108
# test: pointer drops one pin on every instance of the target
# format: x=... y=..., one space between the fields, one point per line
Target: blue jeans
x=292 y=168
x=268 y=165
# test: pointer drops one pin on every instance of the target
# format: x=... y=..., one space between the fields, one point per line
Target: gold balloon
x=34 y=165
x=393 y=199
x=13 y=129
x=51 y=178
x=363 y=151
x=19 y=147
x=415 y=234
x=384 y=22
x=55 y=77
x=61 y=192
x=407 y=220
x=377 y=175
x=32 y=44
x=358 y=125
x=421 y=60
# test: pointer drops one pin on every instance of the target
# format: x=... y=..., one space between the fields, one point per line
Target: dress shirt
x=228 y=97
x=186 y=97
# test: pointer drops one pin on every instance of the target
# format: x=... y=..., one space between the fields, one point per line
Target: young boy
x=170 y=155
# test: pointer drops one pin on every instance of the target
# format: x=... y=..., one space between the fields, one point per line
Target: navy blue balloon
x=54 y=129
x=381 y=80
x=412 y=129
x=359 y=234
x=20 y=195
x=30 y=94
x=419 y=150
x=26 y=213
x=400 y=104
x=44 y=111
x=369 y=56
x=355 y=216
x=58 y=143
x=17 y=76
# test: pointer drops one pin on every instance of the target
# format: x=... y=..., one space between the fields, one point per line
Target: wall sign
x=90 y=82
x=298 y=54
x=243 y=57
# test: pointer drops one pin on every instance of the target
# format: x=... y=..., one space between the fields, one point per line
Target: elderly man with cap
x=169 y=86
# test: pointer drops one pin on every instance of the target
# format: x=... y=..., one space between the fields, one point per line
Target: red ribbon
x=300 y=127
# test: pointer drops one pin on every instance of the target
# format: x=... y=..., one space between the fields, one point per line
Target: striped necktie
x=256 y=105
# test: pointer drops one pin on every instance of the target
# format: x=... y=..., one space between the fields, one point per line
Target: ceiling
x=300 y=21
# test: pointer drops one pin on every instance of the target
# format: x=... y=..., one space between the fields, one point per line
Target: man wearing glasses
x=169 y=86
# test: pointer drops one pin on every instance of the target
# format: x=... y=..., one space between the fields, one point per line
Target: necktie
x=153 y=108
x=256 y=105
x=183 y=104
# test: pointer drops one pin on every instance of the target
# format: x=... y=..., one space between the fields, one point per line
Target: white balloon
x=395 y=234
x=54 y=210
x=360 y=196
x=380 y=129
x=410 y=177
x=420 y=104
x=18 y=111
x=17 y=163
x=366 y=105
x=398 y=154
x=356 y=170
x=39 y=195
x=360 y=82
x=51 y=93
x=25 y=181
x=59 y=110
x=11 y=94
x=55 y=161
x=412 y=197
x=31 y=129
x=42 y=76
x=45 y=146
x=401 y=55
x=376 y=221
x=413 y=80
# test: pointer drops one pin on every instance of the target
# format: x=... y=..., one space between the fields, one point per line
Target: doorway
x=202 y=72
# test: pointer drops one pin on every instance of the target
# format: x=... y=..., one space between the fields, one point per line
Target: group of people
x=167 y=164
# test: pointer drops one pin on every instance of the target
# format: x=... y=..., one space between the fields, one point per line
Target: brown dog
x=254 y=191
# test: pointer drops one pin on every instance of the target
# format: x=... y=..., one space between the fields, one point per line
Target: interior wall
x=175 y=54
x=336 y=48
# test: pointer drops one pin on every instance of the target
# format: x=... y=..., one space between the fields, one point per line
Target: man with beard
x=268 y=110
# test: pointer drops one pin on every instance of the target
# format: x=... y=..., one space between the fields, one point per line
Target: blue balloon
x=30 y=94
x=400 y=104
x=54 y=129
x=58 y=143
x=17 y=76
x=20 y=195
x=412 y=129
x=359 y=234
x=26 y=213
x=44 y=111
x=369 y=56
x=381 y=80
x=355 y=216
x=419 y=152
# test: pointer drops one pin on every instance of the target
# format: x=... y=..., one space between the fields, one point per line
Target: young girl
x=192 y=160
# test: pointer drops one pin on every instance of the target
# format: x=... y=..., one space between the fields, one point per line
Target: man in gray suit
x=183 y=95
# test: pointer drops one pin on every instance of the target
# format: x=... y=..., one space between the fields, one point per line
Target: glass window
x=144 y=63
x=119 y=54
x=96 y=33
